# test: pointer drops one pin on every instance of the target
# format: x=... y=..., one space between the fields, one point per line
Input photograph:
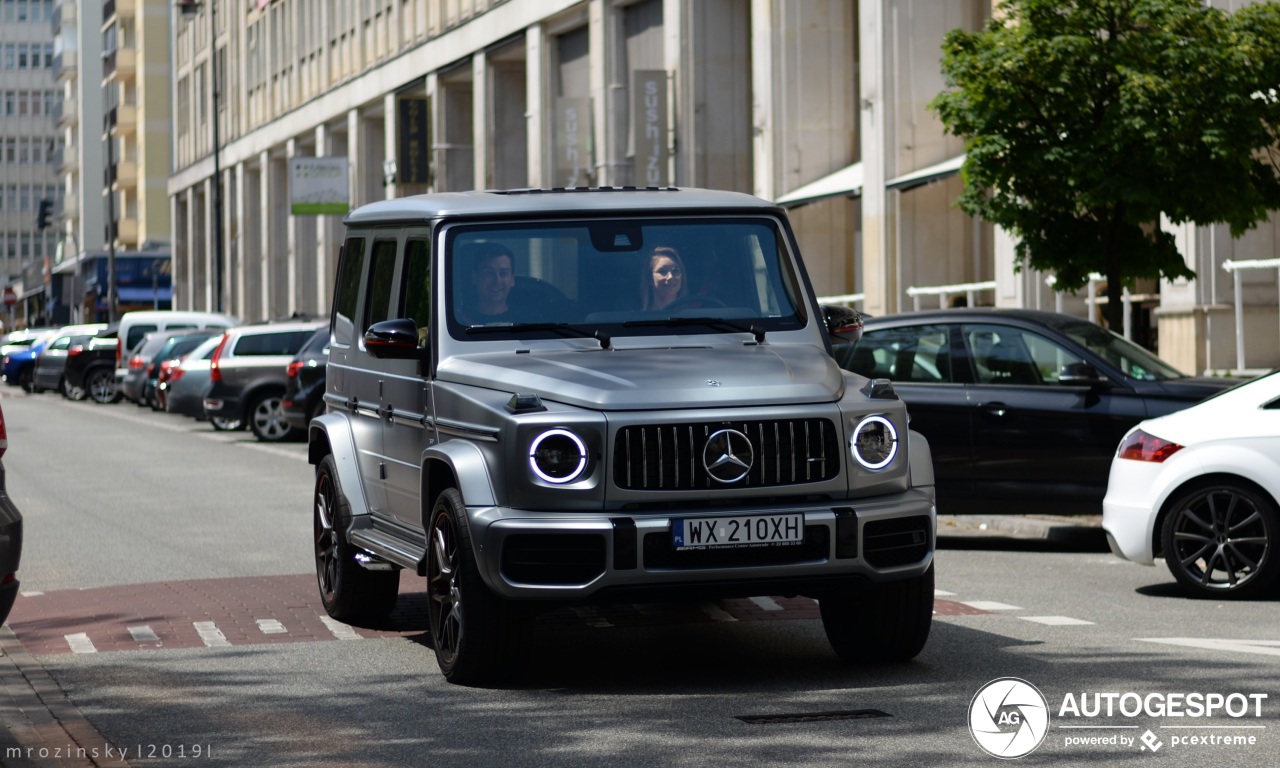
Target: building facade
x=820 y=105
x=29 y=152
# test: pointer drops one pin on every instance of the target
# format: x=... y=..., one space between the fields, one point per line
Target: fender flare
x=921 y=458
x=331 y=434
x=470 y=471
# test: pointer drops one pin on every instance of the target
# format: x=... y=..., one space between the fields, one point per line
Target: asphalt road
x=137 y=519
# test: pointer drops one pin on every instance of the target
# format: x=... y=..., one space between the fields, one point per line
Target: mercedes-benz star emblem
x=727 y=456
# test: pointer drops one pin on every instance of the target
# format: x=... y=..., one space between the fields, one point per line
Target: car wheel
x=348 y=591
x=72 y=392
x=1219 y=540
x=100 y=384
x=26 y=380
x=267 y=420
x=478 y=636
x=879 y=622
x=223 y=424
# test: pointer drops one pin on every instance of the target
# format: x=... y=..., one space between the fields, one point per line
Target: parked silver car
x=548 y=397
x=248 y=373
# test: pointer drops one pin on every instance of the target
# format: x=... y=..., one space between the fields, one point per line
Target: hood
x=1195 y=388
x=667 y=377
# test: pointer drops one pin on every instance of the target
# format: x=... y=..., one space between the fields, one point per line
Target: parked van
x=136 y=325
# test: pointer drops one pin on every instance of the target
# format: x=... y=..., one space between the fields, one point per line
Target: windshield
x=620 y=277
x=1131 y=359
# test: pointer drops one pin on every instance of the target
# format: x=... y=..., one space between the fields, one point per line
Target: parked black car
x=93 y=368
x=304 y=390
x=1023 y=409
x=47 y=373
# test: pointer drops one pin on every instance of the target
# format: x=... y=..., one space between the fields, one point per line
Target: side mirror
x=1079 y=374
x=843 y=324
x=393 y=339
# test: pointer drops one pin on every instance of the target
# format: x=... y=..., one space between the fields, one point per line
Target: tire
x=348 y=591
x=479 y=637
x=100 y=385
x=1219 y=540
x=26 y=380
x=72 y=392
x=224 y=424
x=267 y=420
x=879 y=622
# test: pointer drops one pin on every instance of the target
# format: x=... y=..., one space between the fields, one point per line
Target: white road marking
x=1264 y=647
x=144 y=634
x=1056 y=621
x=987 y=605
x=715 y=612
x=766 y=603
x=210 y=634
x=271 y=626
x=32 y=594
x=80 y=643
x=943 y=593
x=340 y=630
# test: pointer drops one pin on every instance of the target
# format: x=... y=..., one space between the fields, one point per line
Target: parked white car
x=1200 y=487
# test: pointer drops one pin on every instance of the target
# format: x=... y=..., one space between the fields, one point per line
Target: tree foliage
x=1085 y=120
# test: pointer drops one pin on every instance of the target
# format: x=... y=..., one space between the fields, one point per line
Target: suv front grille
x=669 y=457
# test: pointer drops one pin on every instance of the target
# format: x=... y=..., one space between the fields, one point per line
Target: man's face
x=493 y=280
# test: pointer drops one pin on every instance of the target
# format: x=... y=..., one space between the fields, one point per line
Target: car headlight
x=558 y=456
x=875 y=442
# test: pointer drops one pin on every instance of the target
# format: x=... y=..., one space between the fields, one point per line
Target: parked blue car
x=19 y=361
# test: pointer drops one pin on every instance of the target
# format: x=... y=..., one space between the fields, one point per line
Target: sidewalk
x=41 y=726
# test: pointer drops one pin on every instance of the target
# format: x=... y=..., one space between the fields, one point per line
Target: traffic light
x=42 y=218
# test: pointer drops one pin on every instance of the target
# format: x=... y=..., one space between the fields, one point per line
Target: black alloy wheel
x=348 y=591
x=1219 y=540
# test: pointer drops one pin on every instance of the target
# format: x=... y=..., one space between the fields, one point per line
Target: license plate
x=737 y=532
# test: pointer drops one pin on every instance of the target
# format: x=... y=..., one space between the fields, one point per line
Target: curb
x=1083 y=531
x=42 y=726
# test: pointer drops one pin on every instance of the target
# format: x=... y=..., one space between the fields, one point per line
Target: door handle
x=999 y=410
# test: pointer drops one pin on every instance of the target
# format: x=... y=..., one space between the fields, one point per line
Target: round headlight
x=558 y=456
x=875 y=442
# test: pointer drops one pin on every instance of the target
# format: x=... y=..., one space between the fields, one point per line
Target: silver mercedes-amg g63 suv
x=544 y=397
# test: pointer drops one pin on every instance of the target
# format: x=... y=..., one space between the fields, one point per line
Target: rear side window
x=278 y=343
x=135 y=335
x=917 y=353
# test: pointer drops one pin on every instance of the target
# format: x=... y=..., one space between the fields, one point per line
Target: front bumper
x=557 y=556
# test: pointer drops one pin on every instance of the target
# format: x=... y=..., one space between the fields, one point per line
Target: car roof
x=1055 y=320
x=552 y=202
x=278 y=327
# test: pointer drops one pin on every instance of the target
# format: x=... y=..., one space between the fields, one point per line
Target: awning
x=133 y=294
x=846 y=182
x=926 y=175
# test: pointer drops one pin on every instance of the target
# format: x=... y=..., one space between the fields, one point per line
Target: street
x=168 y=592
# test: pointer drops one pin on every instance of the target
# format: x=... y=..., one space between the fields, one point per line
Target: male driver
x=492 y=276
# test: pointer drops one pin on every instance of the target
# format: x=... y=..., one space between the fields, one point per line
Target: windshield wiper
x=712 y=322
x=564 y=329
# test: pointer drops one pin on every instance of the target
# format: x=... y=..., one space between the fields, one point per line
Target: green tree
x=1085 y=120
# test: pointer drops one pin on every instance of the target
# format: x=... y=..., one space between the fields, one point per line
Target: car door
x=407 y=428
x=351 y=389
x=918 y=360
x=1039 y=445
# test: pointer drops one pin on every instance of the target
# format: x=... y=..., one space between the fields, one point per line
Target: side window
x=62 y=342
x=135 y=335
x=1012 y=356
x=415 y=288
x=918 y=353
x=346 y=290
x=377 y=305
x=277 y=344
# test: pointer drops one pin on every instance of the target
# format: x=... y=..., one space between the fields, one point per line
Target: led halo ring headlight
x=875 y=442
x=558 y=456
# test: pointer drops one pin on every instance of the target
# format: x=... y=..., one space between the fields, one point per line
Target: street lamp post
x=189 y=8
